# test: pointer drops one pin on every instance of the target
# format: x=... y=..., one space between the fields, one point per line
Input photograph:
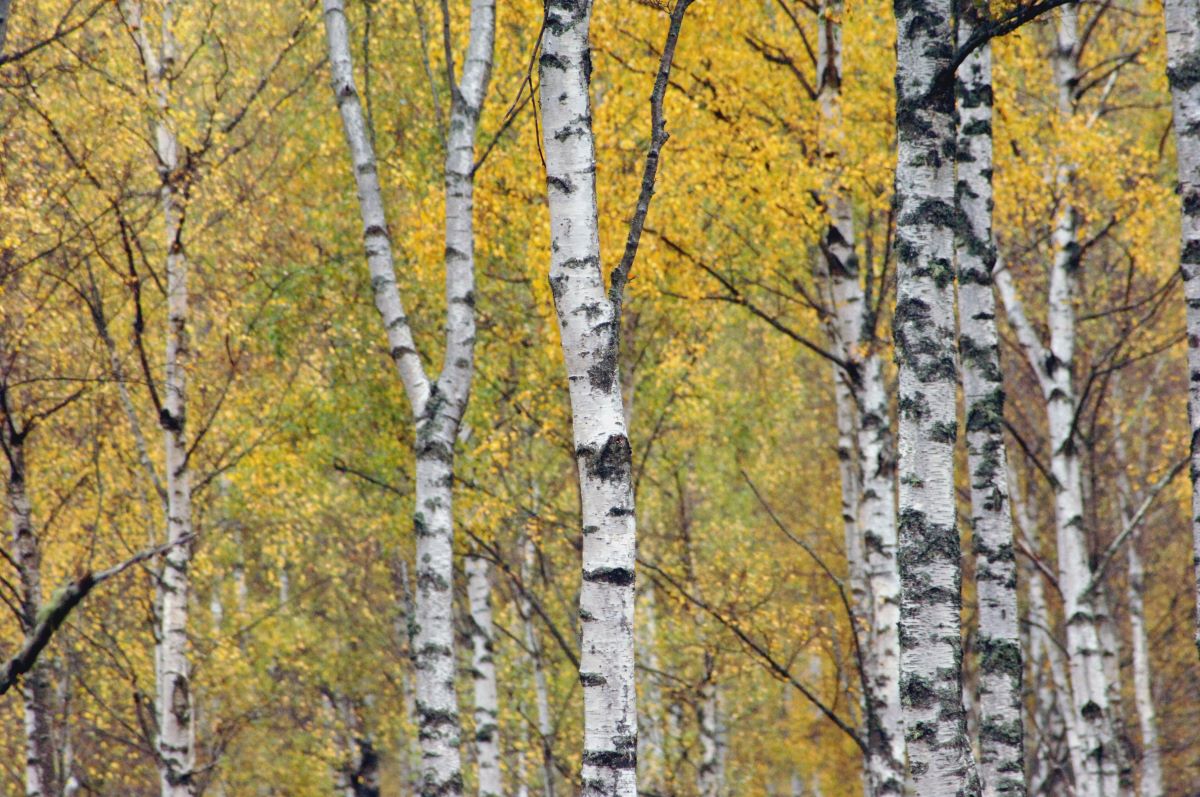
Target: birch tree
x=40 y=772
x=1097 y=754
x=483 y=671
x=1183 y=76
x=1051 y=694
x=437 y=406
x=865 y=447
x=174 y=711
x=1001 y=732
x=1053 y=363
x=541 y=688
x=1151 y=781
x=589 y=320
x=939 y=752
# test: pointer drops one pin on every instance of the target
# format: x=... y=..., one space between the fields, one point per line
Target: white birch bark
x=711 y=780
x=865 y=448
x=1001 y=732
x=1088 y=683
x=586 y=319
x=487 y=708
x=541 y=689
x=1183 y=75
x=40 y=775
x=1151 y=782
x=1053 y=364
x=174 y=710
x=1089 y=695
x=939 y=753
x=1110 y=660
x=438 y=408
x=1057 y=697
x=652 y=758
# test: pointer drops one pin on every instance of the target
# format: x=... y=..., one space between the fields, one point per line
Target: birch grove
x=791 y=237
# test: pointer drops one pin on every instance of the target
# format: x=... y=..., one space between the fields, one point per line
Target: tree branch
x=658 y=137
x=64 y=600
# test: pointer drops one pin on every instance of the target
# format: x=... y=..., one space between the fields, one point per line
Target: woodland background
x=302 y=465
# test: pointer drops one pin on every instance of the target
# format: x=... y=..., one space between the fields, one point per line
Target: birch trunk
x=40 y=774
x=487 y=709
x=1088 y=683
x=1151 y=782
x=1053 y=364
x=1001 y=732
x=1183 y=75
x=653 y=756
x=939 y=752
x=864 y=439
x=545 y=723
x=711 y=781
x=437 y=408
x=1044 y=645
x=1110 y=660
x=586 y=319
x=174 y=710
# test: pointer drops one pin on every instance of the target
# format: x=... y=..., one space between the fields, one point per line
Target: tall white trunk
x=1053 y=364
x=174 y=710
x=545 y=722
x=438 y=407
x=40 y=773
x=711 y=781
x=1001 y=732
x=1151 y=781
x=1088 y=682
x=865 y=448
x=586 y=319
x=1183 y=75
x=1057 y=696
x=1151 y=784
x=652 y=757
x=487 y=708
x=939 y=752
